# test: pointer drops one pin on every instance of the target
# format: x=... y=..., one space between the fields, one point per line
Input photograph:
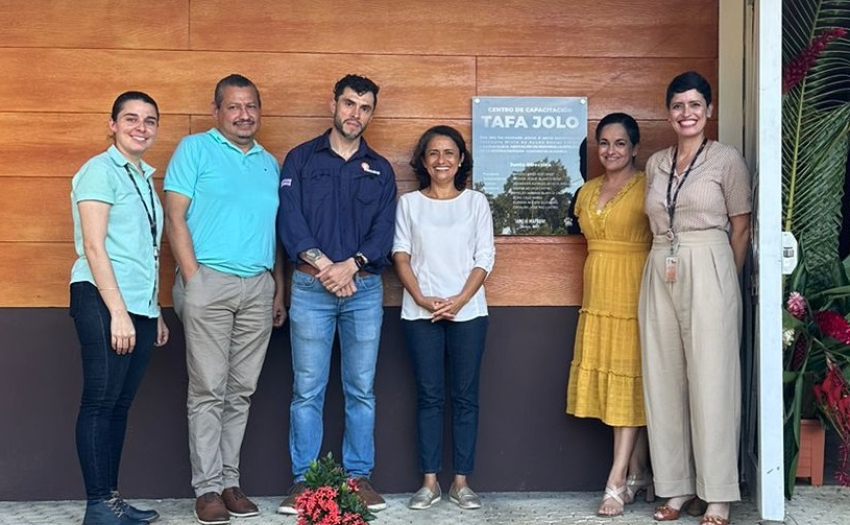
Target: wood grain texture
x=183 y=83
x=35 y=274
x=38 y=209
x=633 y=85
x=57 y=144
x=29 y=192
x=595 y=28
x=117 y=24
x=38 y=273
x=392 y=138
x=64 y=62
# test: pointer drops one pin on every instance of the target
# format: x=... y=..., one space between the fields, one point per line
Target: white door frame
x=750 y=71
x=770 y=483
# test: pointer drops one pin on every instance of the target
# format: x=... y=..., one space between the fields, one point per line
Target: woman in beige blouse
x=698 y=201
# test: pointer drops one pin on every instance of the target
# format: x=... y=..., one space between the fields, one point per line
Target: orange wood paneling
x=153 y=24
x=35 y=209
x=24 y=217
x=392 y=138
x=636 y=86
x=42 y=270
x=64 y=62
x=610 y=28
x=183 y=82
x=35 y=274
x=57 y=145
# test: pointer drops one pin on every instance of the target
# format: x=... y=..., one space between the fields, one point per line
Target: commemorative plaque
x=526 y=152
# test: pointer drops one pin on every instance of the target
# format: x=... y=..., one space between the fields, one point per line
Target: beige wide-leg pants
x=690 y=338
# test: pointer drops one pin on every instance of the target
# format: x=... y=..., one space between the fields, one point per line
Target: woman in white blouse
x=443 y=250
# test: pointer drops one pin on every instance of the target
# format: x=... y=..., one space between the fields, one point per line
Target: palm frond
x=815 y=127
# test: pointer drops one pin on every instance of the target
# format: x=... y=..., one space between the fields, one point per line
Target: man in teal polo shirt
x=221 y=203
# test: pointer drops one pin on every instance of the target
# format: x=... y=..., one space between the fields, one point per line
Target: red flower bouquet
x=330 y=497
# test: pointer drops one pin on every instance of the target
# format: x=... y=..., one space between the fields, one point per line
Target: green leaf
x=815 y=127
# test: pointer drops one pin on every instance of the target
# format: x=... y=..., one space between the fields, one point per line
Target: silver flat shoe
x=424 y=498
x=465 y=498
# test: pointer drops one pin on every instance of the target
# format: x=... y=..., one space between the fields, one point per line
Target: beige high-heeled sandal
x=635 y=485
x=613 y=493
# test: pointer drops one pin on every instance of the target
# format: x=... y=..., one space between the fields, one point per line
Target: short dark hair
x=623 y=119
x=359 y=83
x=464 y=167
x=687 y=81
x=127 y=96
x=234 y=80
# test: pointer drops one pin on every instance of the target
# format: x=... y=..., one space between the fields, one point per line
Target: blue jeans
x=429 y=345
x=110 y=382
x=314 y=316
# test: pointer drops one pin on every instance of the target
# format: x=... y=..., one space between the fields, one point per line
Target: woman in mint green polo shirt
x=114 y=285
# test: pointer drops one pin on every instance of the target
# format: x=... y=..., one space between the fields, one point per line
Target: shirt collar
x=120 y=160
x=362 y=151
x=221 y=139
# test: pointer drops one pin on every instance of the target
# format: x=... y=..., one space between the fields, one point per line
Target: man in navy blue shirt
x=336 y=220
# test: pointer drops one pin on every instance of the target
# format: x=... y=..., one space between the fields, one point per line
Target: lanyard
x=671 y=202
x=151 y=213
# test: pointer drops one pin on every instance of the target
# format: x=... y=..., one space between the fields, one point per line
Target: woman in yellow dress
x=605 y=374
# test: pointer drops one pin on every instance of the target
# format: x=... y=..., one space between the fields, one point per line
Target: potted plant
x=815 y=127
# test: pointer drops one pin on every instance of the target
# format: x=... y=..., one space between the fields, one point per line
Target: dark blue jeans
x=110 y=382
x=431 y=347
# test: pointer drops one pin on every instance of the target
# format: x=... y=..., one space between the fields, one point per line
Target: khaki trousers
x=228 y=322
x=690 y=338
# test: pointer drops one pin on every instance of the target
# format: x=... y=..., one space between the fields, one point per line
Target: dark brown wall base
x=526 y=441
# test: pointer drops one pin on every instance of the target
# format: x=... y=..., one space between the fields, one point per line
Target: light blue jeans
x=315 y=315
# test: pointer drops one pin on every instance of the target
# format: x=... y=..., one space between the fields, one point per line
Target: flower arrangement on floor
x=816 y=340
x=330 y=497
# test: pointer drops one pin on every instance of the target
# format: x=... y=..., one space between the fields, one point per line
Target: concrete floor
x=828 y=505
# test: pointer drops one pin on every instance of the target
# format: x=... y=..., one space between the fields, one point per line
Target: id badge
x=671 y=269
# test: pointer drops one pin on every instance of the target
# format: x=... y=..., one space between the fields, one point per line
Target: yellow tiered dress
x=605 y=374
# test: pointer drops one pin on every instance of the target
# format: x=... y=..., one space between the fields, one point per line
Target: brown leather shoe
x=287 y=506
x=210 y=510
x=238 y=504
x=373 y=501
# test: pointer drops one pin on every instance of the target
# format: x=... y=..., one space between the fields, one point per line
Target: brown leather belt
x=310 y=270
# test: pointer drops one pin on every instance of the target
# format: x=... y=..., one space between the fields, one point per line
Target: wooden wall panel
x=633 y=85
x=64 y=62
x=392 y=138
x=35 y=274
x=43 y=280
x=596 y=28
x=57 y=144
x=153 y=24
x=290 y=84
x=25 y=217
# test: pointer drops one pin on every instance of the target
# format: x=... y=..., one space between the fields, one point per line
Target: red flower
x=833 y=325
x=833 y=399
x=801 y=350
x=798 y=68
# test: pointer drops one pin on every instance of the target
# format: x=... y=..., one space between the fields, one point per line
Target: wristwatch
x=360 y=260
